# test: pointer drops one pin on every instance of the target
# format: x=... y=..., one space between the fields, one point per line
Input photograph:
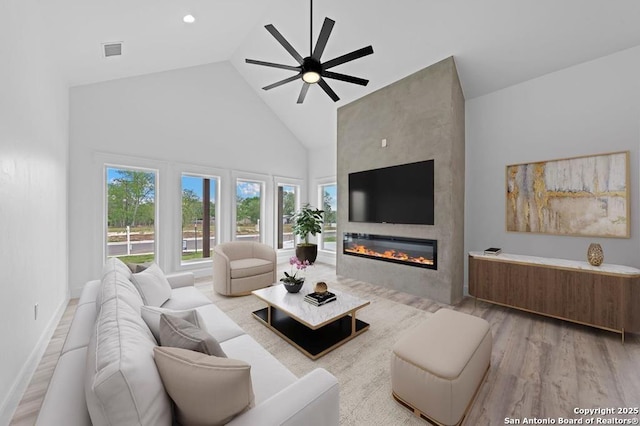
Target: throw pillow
x=179 y=333
x=206 y=390
x=138 y=267
x=151 y=316
x=152 y=285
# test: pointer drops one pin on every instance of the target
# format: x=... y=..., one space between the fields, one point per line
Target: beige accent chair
x=240 y=267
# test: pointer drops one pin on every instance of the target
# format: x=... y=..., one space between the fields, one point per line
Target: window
x=286 y=206
x=329 y=202
x=131 y=213
x=199 y=219
x=248 y=210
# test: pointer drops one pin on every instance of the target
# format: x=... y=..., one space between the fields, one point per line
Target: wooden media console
x=606 y=296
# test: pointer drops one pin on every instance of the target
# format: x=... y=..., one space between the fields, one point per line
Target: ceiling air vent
x=112 y=49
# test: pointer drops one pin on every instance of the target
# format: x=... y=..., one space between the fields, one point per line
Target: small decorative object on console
x=595 y=254
x=493 y=250
x=321 y=287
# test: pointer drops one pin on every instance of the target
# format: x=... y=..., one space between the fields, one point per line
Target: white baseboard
x=10 y=404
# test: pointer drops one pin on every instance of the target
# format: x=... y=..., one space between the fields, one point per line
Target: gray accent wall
x=422 y=118
x=587 y=109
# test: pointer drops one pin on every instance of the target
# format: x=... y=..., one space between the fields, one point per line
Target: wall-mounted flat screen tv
x=398 y=194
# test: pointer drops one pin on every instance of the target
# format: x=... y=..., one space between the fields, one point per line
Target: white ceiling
x=496 y=43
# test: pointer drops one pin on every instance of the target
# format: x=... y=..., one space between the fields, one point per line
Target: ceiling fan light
x=311 y=77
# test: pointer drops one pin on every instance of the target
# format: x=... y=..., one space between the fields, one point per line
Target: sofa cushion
x=113 y=263
x=81 y=327
x=116 y=281
x=207 y=390
x=152 y=285
x=186 y=298
x=122 y=383
x=249 y=267
x=90 y=292
x=66 y=386
x=268 y=375
x=218 y=323
x=151 y=316
x=179 y=333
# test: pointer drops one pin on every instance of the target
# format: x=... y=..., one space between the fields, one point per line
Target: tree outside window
x=248 y=210
x=131 y=214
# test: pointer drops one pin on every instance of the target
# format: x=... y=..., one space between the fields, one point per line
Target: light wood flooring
x=540 y=367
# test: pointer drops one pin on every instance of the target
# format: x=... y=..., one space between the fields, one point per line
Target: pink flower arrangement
x=299 y=267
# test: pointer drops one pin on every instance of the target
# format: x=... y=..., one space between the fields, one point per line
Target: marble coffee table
x=313 y=330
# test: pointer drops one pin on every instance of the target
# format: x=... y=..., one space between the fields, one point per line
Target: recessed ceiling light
x=189 y=19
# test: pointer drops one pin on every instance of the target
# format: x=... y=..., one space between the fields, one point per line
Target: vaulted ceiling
x=496 y=43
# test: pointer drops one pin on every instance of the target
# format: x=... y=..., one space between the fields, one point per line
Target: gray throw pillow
x=179 y=333
x=151 y=316
x=138 y=267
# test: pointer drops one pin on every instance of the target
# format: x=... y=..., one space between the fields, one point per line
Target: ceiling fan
x=310 y=69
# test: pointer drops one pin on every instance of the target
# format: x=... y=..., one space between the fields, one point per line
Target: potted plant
x=292 y=282
x=307 y=220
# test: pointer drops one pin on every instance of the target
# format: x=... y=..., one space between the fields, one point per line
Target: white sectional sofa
x=106 y=373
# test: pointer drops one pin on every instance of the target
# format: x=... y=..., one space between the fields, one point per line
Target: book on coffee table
x=319 y=299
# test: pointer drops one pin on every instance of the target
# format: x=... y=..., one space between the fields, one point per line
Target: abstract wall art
x=580 y=196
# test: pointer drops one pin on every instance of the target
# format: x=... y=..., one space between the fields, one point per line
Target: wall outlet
x=383 y=143
x=35 y=311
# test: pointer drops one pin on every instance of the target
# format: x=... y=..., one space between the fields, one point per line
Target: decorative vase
x=595 y=255
x=320 y=287
x=293 y=288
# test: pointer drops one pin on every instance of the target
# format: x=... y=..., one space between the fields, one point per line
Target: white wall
x=204 y=119
x=587 y=109
x=322 y=170
x=33 y=198
x=322 y=166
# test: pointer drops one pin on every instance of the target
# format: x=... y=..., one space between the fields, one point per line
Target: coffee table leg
x=269 y=308
x=353 y=323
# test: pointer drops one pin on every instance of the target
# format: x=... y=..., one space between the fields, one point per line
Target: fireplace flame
x=388 y=254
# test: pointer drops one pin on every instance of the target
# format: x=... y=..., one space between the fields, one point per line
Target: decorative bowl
x=293 y=288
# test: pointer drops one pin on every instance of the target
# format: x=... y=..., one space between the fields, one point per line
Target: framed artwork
x=580 y=196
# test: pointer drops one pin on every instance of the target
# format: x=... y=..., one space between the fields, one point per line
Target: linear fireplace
x=407 y=251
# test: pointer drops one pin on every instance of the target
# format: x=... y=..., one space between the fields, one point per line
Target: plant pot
x=307 y=252
x=293 y=288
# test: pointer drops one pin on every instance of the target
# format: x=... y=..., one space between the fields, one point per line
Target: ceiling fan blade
x=344 y=77
x=348 y=57
x=284 y=42
x=303 y=92
x=325 y=32
x=328 y=90
x=271 y=64
x=281 y=82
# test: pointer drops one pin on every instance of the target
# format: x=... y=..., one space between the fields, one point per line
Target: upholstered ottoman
x=437 y=367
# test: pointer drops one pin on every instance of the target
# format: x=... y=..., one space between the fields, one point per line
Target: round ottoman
x=438 y=367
